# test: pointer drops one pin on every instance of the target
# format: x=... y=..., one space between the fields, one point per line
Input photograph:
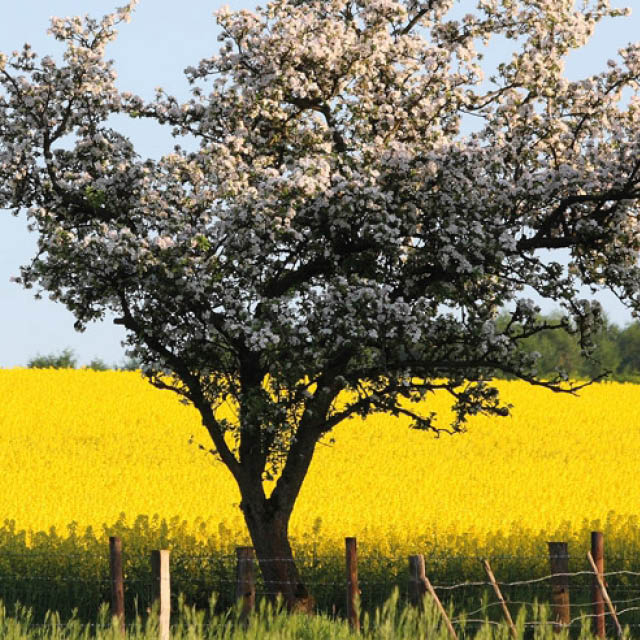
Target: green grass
x=391 y=621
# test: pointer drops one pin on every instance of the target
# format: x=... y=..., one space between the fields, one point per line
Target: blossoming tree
x=337 y=245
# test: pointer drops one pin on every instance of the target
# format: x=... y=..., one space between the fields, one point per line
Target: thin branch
x=412 y=23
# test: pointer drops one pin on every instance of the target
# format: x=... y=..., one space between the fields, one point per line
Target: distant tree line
x=617 y=351
x=66 y=359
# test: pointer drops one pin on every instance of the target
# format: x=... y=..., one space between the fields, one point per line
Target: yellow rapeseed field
x=84 y=446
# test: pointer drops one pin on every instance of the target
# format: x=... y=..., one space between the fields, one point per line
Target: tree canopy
x=336 y=245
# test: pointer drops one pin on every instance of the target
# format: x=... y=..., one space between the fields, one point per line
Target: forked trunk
x=267 y=518
x=269 y=533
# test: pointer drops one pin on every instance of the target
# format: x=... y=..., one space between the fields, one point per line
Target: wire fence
x=82 y=581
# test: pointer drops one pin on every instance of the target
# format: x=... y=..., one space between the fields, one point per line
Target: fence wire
x=619 y=587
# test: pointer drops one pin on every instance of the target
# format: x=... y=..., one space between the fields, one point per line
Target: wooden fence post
x=246 y=580
x=597 y=553
x=417 y=575
x=417 y=588
x=352 y=583
x=161 y=590
x=117 y=582
x=559 y=560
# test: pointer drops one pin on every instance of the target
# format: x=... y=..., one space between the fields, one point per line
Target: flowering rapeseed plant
x=84 y=446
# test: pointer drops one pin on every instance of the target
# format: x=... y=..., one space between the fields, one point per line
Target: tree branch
x=195 y=390
x=541 y=240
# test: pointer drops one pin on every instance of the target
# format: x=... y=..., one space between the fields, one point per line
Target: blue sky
x=162 y=39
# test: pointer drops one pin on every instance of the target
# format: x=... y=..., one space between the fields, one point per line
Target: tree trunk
x=269 y=533
x=268 y=518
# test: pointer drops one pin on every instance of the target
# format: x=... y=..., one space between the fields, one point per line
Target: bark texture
x=268 y=529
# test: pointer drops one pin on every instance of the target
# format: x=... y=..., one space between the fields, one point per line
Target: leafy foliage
x=97 y=364
x=63 y=360
x=67 y=360
x=616 y=352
